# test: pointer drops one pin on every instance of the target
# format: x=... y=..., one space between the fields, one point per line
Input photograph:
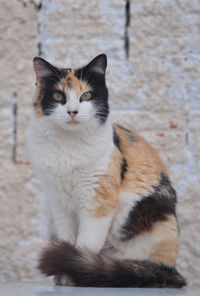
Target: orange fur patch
x=144 y=164
x=107 y=193
x=71 y=81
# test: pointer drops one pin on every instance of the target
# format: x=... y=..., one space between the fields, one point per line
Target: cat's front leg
x=63 y=224
x=66 y=230
x=93 y=231
x=66 y=226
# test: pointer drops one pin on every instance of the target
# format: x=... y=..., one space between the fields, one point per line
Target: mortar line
x=127 y=25
x=14 y=110
x=39 y=43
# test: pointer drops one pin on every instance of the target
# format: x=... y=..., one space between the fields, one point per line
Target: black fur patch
x=116 y=139
x=151 y=209
x=123 y=168
x=99 y=94
x=94 y=270
x=47 y=102
x=129 y=134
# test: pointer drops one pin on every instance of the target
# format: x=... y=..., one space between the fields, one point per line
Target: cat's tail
x=89 y=270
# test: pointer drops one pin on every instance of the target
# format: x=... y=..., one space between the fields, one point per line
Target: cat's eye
x=58 y=97
x=86 y=96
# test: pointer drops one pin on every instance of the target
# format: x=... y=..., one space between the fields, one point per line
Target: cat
x=111 y=203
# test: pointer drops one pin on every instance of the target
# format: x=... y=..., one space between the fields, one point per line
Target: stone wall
x=153 y=50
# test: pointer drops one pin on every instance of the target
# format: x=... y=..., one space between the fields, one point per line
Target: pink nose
x=72 y=113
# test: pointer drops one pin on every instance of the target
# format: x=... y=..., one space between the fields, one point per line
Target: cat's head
x=71 y=98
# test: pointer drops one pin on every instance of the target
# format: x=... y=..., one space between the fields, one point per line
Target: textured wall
x=153 y=50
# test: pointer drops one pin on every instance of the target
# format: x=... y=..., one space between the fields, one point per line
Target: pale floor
x=32 y=289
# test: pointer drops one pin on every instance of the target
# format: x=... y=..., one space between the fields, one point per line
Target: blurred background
x=153 y=75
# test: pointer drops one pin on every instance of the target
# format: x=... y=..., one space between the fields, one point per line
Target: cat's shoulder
x=135 y=147
x=127 y=137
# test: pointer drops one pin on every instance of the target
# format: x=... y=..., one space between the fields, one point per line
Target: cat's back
x=142 y=167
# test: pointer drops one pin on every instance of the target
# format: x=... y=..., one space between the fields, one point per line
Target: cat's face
x=71 y=98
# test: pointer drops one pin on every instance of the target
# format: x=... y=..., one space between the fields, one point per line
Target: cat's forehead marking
x=71 y=81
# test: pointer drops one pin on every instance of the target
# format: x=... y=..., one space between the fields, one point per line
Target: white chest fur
x=62 y=154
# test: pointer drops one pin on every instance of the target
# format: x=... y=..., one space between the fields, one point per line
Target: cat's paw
x=62 y=280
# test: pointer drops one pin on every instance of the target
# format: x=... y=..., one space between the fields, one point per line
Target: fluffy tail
x=89 y=270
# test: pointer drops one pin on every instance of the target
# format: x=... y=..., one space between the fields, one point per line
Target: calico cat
x=109 y=195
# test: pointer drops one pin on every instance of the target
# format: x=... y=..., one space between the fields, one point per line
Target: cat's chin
x=70 y=125
x=73 y=123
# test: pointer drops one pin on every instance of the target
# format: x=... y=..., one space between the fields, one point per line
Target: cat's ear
x=98 y=64
x=44 y=70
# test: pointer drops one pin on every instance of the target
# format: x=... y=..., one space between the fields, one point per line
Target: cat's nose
x=72 y=113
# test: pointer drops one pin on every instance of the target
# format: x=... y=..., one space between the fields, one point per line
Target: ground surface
x=32 y=289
